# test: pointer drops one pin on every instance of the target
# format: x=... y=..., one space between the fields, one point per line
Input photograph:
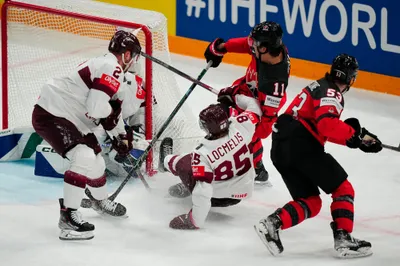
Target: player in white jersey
x=68 y=110
x=220 y=172
x=132 y=114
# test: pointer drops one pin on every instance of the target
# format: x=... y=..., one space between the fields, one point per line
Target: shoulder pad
x=318 y=88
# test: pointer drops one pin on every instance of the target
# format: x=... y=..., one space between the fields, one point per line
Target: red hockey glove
x=213 y=53
x=183 y=222
x=111 y=121
x=124 y=145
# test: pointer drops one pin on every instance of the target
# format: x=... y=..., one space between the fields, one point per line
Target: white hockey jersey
x=83 y=96
x=223 y=168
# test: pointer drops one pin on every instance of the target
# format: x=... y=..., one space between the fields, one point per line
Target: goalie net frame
x=117 y=23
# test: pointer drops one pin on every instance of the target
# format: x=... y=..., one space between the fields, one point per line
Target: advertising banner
x=314 y=30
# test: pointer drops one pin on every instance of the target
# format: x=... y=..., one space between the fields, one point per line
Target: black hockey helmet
x=214 y=121
x=267 y=34
x=344 y=69
x=123 y=41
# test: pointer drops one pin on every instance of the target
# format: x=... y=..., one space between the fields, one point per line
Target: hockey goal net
x=48 y=38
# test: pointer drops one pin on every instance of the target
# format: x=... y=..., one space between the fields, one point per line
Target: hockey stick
x=180 y=73
x=390 y=147
x=143 y=157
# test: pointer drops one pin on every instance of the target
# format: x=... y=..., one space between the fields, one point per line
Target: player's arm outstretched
x=348 y=132
x=218 y=48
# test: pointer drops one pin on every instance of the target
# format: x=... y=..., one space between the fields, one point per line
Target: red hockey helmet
x=214 y=121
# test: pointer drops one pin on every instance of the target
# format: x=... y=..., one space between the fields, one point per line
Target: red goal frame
x=113 y=22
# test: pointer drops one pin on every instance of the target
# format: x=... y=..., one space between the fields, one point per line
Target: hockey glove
x=123 y=145
x=183 y=222
x=213 y=53
x=226 y=96
x=370 y=142
x=355 y=141
x=362 y=138
x=111 y=121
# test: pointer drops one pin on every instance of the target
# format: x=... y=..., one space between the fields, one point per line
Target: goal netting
x=48 y=38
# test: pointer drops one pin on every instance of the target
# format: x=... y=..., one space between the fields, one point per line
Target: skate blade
x=74 y=235
x=271 y=246
x=107 y=215
x=346 y=253
x=263 y=183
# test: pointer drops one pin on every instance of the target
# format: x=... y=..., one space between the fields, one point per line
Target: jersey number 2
x=117 y=72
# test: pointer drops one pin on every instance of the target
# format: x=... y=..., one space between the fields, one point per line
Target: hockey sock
x=98 y=187
x=74 y=186
x=342 y=207
x=295 y=212
x=170 y=163
x=257 y=149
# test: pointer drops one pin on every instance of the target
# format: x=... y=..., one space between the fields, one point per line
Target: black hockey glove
x=120 y=145
x=355 y=141
x=214 y=54
x=111 y=121
x=226 y=96
x=370 y=142
x=362 y=138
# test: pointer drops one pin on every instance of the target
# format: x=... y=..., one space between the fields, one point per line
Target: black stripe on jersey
x=311 y=124
x=326 y=115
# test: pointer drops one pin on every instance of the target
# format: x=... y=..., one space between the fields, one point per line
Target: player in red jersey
x=266 y=79
x=298 y=154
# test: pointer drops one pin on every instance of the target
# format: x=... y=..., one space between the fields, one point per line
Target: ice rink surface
x=29 y=208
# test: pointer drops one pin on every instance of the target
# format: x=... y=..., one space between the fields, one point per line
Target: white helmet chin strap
x=127 y=65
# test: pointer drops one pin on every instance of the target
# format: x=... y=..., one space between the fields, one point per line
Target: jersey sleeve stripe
x=98 y=85
x=326 y=115
x=85 y=74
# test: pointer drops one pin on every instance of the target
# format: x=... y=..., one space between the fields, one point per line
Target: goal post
x=42 y=39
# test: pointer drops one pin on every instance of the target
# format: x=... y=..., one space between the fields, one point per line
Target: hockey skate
x=268 y=231
x=179 y=191
x=165 y=149
x=72 y=226
x=109 y=208
x=347 y=246
x=262 y=176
